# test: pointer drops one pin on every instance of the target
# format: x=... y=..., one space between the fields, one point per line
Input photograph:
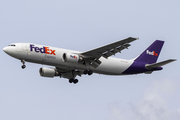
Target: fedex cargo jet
x=68 y=63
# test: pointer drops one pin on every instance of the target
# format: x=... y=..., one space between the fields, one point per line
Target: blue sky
x=84 y=25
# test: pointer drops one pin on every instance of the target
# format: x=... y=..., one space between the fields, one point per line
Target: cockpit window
x=12 y=45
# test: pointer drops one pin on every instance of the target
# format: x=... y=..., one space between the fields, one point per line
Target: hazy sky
x=83 y=25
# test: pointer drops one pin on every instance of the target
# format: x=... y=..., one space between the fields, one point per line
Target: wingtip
x=174 y=59
x=134 y=38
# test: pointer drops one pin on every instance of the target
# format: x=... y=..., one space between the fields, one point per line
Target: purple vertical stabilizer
x=151 y=54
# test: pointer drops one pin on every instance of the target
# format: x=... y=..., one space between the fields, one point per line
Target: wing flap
x=116 y=50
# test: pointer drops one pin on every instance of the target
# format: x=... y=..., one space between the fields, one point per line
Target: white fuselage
x=53 y=57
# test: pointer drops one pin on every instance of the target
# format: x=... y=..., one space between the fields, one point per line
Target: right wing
x=111 y=49
x=106 y=51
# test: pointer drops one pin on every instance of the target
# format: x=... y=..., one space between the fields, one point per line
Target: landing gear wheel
x=75 y=81
x=86 y=72
x=23 y=66
x=71 y=80
x=90 y=72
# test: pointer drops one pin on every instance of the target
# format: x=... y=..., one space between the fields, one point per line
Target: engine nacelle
x=70 y=57
x=47 y=72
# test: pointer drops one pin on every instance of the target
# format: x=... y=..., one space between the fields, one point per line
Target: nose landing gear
x=23 y=66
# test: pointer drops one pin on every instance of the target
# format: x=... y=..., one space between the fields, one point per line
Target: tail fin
x=151 y=54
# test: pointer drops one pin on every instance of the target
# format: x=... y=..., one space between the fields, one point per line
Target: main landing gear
x=89 y=72
x=73 y=80
x=23 y=66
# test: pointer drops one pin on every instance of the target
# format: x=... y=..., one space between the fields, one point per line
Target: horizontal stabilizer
x=159 y=64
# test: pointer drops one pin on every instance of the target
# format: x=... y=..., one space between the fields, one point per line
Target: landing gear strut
x=23 y=66
x=73 y=80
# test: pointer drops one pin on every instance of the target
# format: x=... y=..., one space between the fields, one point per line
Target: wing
x=106 y=51
x=110 y=49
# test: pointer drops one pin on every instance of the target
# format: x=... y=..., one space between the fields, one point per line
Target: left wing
x=93 y=56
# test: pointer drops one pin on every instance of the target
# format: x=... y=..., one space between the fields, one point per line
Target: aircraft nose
x=8 y=50
x=5 y=49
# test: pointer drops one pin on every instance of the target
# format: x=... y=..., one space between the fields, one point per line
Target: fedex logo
x=45 y=50
x=151 y=53
x=73 y=56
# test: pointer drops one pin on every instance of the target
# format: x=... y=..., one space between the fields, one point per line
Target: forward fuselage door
x=25 y=49
x=21 y=50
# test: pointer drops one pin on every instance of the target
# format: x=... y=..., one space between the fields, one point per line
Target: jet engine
x=71 y=58
x=48 y=72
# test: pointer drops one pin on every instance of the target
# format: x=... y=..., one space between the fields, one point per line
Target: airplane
x=68 y=63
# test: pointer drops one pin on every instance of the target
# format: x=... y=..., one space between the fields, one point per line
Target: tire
x=75 y=81
x=71 y=80
x=90 y=72
x=86 y=72
x=23 y=66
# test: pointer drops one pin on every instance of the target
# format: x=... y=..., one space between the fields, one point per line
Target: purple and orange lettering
x=45 y=50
